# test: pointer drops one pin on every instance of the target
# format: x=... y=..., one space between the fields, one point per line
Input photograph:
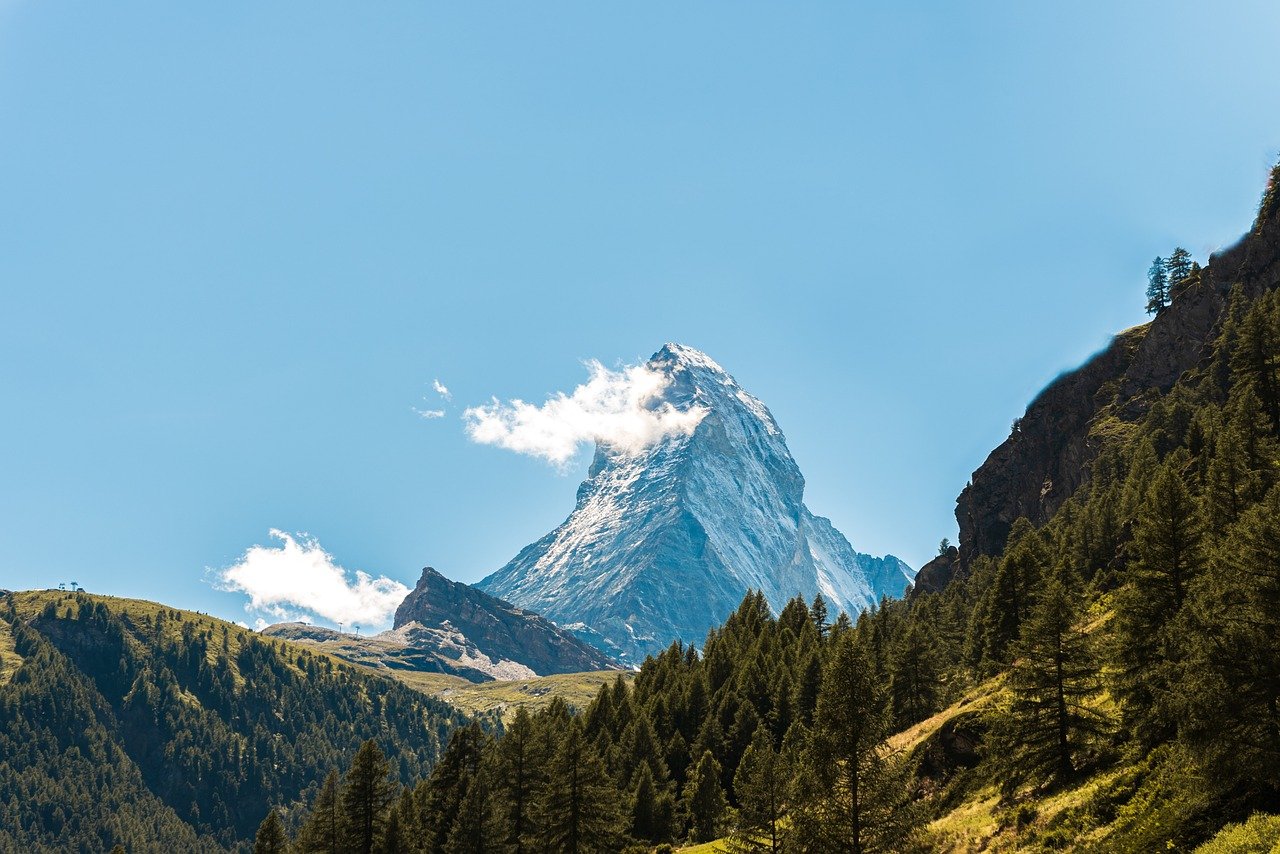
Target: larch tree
x=322 y=834
x=271 y=838
x=579 y=811
x=704 y=800
x=851 y=792
x=367 y=795
x=761 y=785
x=1166 y=559
x=1052 y=681
x=1157 y=286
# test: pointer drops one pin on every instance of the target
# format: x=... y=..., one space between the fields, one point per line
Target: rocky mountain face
x=665 y=541
x=445 y=626
x=1048 y=452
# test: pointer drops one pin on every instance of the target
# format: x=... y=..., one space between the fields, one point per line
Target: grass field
x=9 y=658
x=576 y=689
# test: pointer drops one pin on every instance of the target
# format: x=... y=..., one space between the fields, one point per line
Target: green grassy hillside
x=128 y=722
x=504 y=697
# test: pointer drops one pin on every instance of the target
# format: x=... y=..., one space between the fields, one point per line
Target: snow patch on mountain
x=666 y=539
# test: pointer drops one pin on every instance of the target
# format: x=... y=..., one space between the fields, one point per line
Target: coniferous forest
x=1109 y=680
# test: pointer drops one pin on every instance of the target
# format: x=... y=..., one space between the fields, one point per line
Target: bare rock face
x=448 y=627
x=936 y=574
x=1048 y=452
x=498 y=629
x=665 y=541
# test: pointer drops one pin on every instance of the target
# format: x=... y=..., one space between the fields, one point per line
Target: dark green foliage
x=851 y=793
x=1231 y=683
x=1157 y=286
x=177 y=731
x=440 y=798
x=519 y=763
x=367 y=795
x=322 y=834
x=762 y=782
x=271 y=838
x=1178 y=268
x=704 y=802
x=1167 y=558
x=1053 y=679
x=579 y=809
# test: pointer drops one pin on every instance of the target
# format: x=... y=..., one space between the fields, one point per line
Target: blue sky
x=239 y=241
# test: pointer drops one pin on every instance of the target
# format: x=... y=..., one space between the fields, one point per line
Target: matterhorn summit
x=667 y=538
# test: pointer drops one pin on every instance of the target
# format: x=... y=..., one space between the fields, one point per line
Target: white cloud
x=441 y=389
x=622 y=410
x=299 y=578
x=429 y=413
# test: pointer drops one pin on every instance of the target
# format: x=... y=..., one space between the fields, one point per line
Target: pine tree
x=322 y=834
x=271 y=838
x=1254 y=362
x=652 y=808
x=1012 y=592
x=1178 y=270
x=704 y=802
x=402 y=832
x=1230 y=687
x=367 y=794
x=1053 y=680
x=818 y=611
x=518 y=779
x=1167 y=559
x=474 y=830
x=913 y=677
x=439 y=798
x=1157 y=286
x=1230 y=482
x=761 y=784
x=579 y=811
x=851 y=794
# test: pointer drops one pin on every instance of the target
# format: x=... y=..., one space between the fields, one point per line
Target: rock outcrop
x=1049 y=449
x=445 y=626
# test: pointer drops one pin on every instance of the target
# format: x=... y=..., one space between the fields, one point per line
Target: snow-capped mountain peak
x=665 y=540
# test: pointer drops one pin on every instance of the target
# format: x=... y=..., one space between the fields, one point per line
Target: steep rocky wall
x=1047 y=454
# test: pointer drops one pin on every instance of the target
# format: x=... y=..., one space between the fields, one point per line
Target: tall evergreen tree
x=1053 y=680
x=271 y=838
x=1167 y=559
x=1157 y=286
x=1177 y=270
x=1230 y=688
x=704 y=801
x=579 y=811
x=439 y=798
x=367 y=795
x=652 y=808
x=913 y=677
x=322 y=834
x=518 y=778
x=818 y=612
x=851 y=795
x=760 y=784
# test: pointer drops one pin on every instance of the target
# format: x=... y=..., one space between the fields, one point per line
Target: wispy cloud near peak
x=622 y=410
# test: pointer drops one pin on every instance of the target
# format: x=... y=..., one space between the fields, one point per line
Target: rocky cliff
x=445 y=626
x=1049 y=449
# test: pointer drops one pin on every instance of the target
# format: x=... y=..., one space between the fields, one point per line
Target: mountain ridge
x=664 y=542
x=446 y=626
